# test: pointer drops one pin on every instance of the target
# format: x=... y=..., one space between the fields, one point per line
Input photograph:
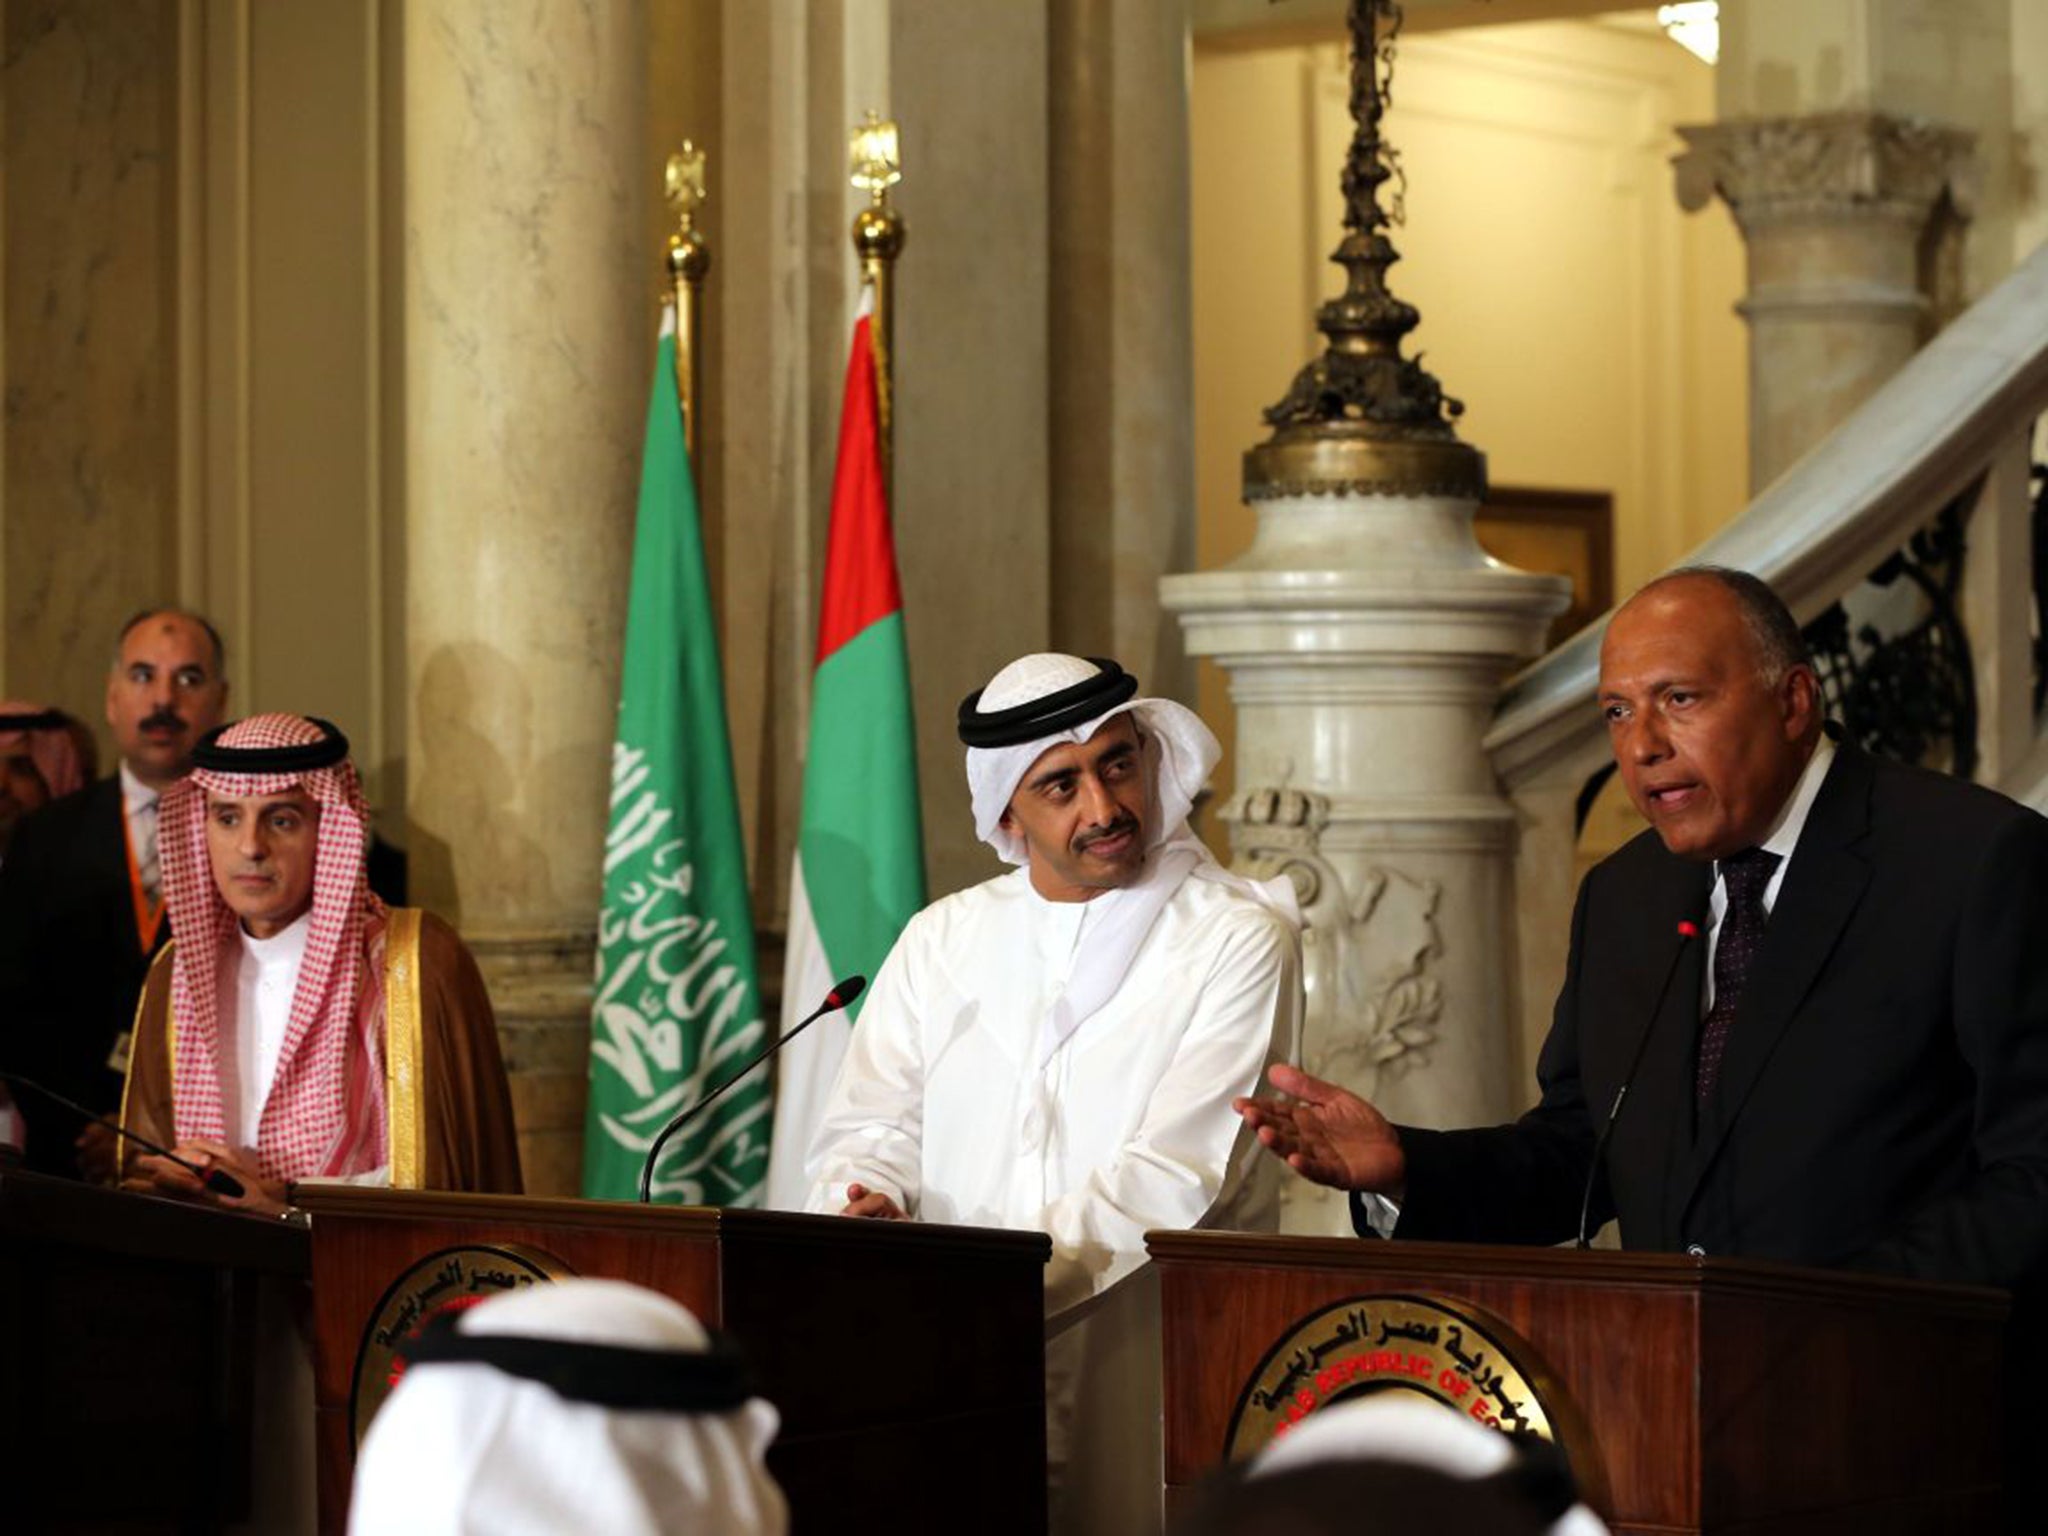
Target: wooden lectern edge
x=154 y=1226
x=702 y=1221
x=1709 y=1275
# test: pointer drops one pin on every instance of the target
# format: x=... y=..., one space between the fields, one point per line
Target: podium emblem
x=444 y=1281
x=1456 y=1355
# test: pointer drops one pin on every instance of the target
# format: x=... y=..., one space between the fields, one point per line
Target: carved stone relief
x=1371 y=944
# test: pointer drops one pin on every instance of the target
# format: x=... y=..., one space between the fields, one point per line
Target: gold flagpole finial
x=876 y=157
x=689 y=259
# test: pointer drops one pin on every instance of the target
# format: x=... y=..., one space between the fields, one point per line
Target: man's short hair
x=1780 y=646
x=144 y=615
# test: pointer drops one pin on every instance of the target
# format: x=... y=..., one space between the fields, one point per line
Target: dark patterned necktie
x=1742 y=934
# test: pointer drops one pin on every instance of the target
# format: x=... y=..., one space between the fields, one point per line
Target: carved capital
x=1831 y=165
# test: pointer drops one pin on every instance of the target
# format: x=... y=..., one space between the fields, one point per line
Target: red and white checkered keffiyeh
x=325 y=1116
x=49 y=747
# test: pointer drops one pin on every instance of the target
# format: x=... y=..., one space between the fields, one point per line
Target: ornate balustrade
x=1928 y=489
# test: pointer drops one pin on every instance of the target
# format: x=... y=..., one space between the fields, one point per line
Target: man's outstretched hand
x=1327 y=1134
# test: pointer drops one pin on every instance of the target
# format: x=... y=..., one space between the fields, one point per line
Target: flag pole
x=689 y=259
x=877 y=241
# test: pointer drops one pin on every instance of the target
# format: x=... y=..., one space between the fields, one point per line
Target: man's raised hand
x=1327 y=1134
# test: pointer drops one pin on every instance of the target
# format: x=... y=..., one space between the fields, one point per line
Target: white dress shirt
x=1381 y=1213
x=1781 y=840
x=138 y=804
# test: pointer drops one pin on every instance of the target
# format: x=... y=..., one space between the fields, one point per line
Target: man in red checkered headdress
x=297 y=1028
x=38 y=762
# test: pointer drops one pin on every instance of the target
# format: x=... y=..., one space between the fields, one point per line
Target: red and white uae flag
x=858 y=874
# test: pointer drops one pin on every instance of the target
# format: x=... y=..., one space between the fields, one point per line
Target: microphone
x=215 y=1179
x=1687 y=932
x=842 y=993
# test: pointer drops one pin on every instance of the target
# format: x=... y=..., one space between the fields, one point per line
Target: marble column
x=1833 y=208
x=1366 y=635
x=967 y=83
x=1122 y=365
x=528 y=334
x=974 y=383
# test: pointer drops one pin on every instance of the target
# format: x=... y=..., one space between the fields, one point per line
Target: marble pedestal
x=1366 y=637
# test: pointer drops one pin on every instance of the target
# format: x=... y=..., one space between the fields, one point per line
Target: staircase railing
x=1952 y=429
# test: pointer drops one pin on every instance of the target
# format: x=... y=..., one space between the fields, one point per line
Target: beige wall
x=1585 y=322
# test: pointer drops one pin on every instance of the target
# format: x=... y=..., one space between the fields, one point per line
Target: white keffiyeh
x=1400 y=1429
x=467 y=1449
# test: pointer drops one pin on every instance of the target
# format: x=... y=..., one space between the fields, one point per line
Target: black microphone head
x=844 y=992
x=224 y=1184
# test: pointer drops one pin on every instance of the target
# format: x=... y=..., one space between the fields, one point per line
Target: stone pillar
x=1833 y=207
x=966 y=82
x=972 y=487
x=528 y=333
x=1122 y=364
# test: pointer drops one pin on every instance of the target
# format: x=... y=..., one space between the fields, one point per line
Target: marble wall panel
x=89 y=532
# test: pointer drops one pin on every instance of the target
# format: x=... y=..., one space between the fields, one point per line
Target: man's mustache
x=164 y=720
x=1124 y=823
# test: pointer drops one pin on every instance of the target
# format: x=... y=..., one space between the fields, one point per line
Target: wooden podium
x=1693 y=1395
x=129 y=1384
x=907 y=1361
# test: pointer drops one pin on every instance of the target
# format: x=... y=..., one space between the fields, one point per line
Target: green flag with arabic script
x=677 y=1006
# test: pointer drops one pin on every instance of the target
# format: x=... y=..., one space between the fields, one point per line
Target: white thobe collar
x=257 y=990
x=1105 y=935
x=284 y=948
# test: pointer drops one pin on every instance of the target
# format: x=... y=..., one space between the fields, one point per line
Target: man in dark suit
x=81 y=907
x=1849 y=1063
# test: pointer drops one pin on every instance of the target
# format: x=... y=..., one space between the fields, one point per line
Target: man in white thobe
x=1057 y=1048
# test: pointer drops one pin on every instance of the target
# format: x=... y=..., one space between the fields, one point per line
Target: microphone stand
x=218 y=1180
x=841 y=994
x=1687 y=932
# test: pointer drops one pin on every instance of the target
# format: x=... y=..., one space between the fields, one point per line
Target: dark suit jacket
x=71 y=966
x=1883 y=1102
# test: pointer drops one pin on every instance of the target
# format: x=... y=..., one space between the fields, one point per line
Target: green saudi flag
x=677 y=1008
